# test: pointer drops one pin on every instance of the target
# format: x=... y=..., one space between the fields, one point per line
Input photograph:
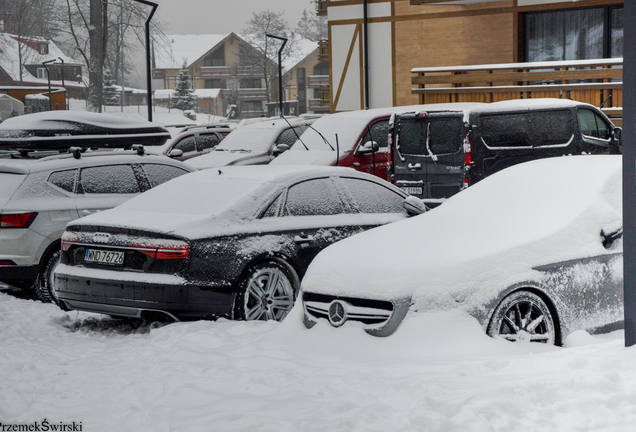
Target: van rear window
x=445 y=136
x=529 y=129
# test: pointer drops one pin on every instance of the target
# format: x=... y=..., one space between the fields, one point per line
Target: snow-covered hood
x=308 y=157
x=482 y=240
x=220 y=158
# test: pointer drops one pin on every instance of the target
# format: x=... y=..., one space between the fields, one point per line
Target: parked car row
x=529 y=251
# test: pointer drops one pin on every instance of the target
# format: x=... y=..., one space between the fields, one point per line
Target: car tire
x=44 y=284
x=266 y=292
x=524 y=316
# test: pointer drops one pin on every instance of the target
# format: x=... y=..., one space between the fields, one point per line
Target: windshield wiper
x=321 y=136
x=428 y=141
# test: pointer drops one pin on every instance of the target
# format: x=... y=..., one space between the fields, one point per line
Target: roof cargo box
x=59 y=130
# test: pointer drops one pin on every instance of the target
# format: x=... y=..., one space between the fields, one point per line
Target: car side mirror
x=175 y=153
x=280 y=148
x=368 y=147
x=617 y=134
x=414 y=206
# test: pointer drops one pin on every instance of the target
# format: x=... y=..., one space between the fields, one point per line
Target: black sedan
x=230 y=243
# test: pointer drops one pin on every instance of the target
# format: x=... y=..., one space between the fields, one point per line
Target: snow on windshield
x=198 y=194
x=348 y=130
x=248 y=139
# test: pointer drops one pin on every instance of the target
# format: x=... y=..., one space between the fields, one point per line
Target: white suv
x=39 y=197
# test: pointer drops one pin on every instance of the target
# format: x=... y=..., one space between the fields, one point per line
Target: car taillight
x=469 y=160
x=68 y=240
x=6 y=263
x=162 y=249
x=389 y=168
x=469 y=150
x=17 y=220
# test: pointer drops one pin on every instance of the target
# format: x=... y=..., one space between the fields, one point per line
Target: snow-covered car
x=357 y=139
x=38 y=197
x=533 y=252
x=236 y=246
x=256 y=143
x=193 y=141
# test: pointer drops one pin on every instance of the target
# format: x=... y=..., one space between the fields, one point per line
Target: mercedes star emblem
x=337 y=313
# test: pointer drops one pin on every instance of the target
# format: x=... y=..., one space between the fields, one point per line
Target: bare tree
x=261 y=55
x=312 y=26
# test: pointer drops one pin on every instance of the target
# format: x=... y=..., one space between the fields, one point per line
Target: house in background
x=426 y=51
x=214 y=63
x=35 y=51
x=306 y=79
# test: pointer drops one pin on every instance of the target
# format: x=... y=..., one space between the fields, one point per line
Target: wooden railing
x=597 y=82
x=323 y=50
x=321 y=7
x=318 y=81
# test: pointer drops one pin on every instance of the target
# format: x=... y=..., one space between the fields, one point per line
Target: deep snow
x=438 y=372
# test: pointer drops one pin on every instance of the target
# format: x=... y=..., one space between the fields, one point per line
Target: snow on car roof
x=497 y=231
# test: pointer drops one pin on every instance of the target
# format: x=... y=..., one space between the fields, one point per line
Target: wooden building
x=406 y=40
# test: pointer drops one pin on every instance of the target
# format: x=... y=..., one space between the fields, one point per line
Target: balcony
x=214 y=71
x=246 y=93
x=597 y=82
x=321 y=7
x=318 y=81
x=318 y=105
x=323 y=50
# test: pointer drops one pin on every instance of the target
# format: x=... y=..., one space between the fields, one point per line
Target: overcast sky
x=223 y=16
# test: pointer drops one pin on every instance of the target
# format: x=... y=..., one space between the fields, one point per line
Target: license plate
x=104 y=257
x=412 y=190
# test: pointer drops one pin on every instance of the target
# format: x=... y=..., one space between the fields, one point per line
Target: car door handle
x=414 y=166
x=356 y=164
x=304 y=241
x=88 y=212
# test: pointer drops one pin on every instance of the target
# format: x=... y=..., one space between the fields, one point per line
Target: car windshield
x=196 y=194
x=348 y=130
x=248 y=140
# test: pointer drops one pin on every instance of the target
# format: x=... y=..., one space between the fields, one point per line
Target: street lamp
x=148 y=71
x=280 y=71
x=48 y=76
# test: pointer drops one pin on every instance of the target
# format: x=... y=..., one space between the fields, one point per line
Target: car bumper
x=139 y=296
x=19 y=276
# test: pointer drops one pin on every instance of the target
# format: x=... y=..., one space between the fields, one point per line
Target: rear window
x=10 y=184
x=444 y=136
x=158 y=174
x=109 y=179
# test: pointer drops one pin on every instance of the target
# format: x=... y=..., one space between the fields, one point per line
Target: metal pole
x=629 y=171
x=48 y=76
x=365 y=42
x=148 y=70
x=280 y=71
x=64 y=85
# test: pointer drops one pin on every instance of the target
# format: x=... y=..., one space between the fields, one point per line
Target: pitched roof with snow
x=188 y=47
x=9 y=59
x=304 y=48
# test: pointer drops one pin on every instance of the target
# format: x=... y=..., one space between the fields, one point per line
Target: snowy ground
x=439 y=372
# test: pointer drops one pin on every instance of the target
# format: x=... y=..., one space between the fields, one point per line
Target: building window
x=251 y=83
x=217 y=58
x=43 y=48
x=576 y=34
x=321 y=68
x=216 y=83
x=42 y=73
x=252 y=106
x=302 y=95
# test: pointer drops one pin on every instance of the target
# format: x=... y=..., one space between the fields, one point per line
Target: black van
x=436 y=152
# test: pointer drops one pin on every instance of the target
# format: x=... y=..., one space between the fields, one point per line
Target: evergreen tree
x=184 y=98
x=110 y=93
